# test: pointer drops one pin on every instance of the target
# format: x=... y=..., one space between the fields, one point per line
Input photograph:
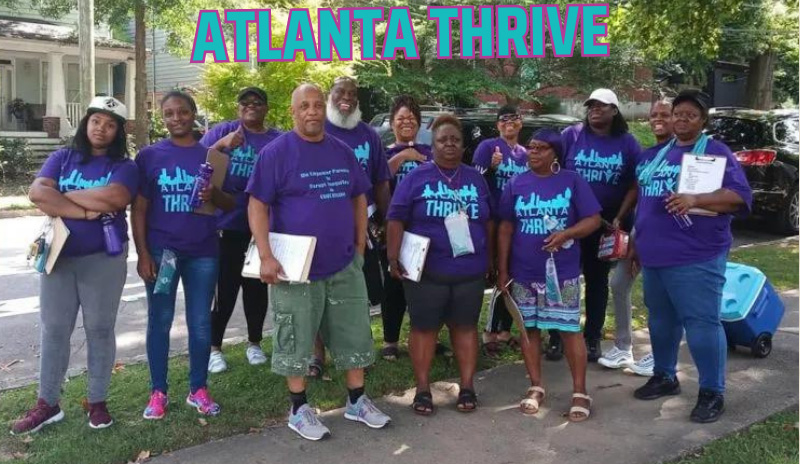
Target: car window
x=786 y=131
x=735 y=131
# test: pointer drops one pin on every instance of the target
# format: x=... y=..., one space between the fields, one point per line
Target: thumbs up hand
x=232 y=140
x=497 y=158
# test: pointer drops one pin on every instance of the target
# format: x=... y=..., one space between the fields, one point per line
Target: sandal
x=467 y=400
x=492 y=349
x=443 y=350
x=423 y=403
x=315 y=369
x=584 y=412
x=512 y=344
x=390 y=353
x=534 y=397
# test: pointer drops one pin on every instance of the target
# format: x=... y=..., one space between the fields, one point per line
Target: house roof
x=41 y=30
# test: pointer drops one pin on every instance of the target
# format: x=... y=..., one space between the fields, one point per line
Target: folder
x=413 y=251
x=59 y=238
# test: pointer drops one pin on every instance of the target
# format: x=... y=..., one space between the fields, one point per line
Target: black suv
x=477 y=126
x=766 y=145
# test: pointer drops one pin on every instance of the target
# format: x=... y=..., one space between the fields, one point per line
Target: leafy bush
x=16 y=159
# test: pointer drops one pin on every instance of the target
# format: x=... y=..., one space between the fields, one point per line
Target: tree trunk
x=142 y=117
x=759 y=81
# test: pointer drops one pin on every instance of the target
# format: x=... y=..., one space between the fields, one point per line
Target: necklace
x=449 y=179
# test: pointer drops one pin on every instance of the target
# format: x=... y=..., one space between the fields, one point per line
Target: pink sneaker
x=202 y=401
x=157 y=407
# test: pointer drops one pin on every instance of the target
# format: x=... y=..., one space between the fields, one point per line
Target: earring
x=555 y=167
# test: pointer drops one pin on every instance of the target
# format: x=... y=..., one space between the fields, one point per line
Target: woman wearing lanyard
x=88 y=185
x=447 y=202
x=163 y=220
x=243 y=140
x=683 y=257
x=544 y=212
x=404 y=156
x=604 y=153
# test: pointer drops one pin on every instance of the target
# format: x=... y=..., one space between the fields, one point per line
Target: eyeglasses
x=252 y=103
x=509 y=118
x=538 y=147
x=689 y=116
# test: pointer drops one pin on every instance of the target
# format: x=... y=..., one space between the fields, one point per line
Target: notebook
x=413 y=251
x=294 y=252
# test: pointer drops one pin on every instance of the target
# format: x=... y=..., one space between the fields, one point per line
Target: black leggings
x=393 y=306
x=232 y=247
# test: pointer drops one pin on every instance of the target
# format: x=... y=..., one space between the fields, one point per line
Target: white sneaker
x=644 y=366
x=255 y=356
x=616 y=358
x=216 y=362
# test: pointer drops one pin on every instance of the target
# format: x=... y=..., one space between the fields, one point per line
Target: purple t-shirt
x=309 y=187
x=64 y=166
x=660 y=242
x=166 y=176
x=515 y=161
x=243 y=158
x=368 y=149
x=407 y=166
x=606 y=163
x=424 y=198
x=526 y=200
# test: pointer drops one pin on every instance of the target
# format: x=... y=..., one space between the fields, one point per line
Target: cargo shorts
x=336 y=307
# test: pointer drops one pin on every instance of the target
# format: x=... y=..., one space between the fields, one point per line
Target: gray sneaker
x=366 y=412
x=306 y=424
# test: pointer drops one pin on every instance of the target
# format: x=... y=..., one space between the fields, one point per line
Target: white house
x=39 y=66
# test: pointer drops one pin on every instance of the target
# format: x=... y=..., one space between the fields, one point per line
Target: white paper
x=701 y=174
x=413 y=251
x=293 y=252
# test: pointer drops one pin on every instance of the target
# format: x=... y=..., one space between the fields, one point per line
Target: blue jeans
x=199 y=276
x=688 y=298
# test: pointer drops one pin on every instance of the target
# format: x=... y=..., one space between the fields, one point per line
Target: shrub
x=16 y=159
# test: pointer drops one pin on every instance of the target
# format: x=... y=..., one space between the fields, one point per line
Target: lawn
x=252 y=397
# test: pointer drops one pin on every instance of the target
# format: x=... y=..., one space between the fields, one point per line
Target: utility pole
x=86 y=50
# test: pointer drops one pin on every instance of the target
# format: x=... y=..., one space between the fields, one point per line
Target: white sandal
x=530 y=405
x=580 y=409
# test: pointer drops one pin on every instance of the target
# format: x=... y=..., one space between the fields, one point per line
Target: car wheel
x=789 y=217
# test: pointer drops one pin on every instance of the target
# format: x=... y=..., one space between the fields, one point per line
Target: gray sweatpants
x=621 y=285
x=94 y=284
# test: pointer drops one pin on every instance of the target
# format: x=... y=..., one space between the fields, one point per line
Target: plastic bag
x=166 y=272
x=457 y=225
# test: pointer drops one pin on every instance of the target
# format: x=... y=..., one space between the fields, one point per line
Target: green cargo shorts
x=336 y=307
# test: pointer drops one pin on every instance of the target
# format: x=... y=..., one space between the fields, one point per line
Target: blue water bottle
x=111 y=235
x=202 y=181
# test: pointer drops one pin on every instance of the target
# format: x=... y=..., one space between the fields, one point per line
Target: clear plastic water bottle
x=111 y=235
x=553 y=225
x=202 y=181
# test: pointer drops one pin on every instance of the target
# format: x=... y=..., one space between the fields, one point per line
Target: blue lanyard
x=654 y=167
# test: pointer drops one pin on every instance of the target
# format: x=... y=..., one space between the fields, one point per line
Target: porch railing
x=74 y=113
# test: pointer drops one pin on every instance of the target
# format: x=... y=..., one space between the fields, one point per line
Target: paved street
x=19 y=306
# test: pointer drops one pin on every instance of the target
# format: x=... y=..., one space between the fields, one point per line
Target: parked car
x=766 y=145
x=478 y=125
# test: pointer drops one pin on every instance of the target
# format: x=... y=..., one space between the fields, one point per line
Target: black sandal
x=467 y=400
x=423 y=403
x=315 y=369
x=390 y=353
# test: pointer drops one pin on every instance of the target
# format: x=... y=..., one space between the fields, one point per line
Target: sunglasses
x=252 y=103
x=509 y=118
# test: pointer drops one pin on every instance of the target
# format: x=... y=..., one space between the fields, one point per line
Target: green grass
x=642 y=132
x=773 y=441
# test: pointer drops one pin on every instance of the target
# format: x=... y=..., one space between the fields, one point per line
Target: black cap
x=696 y=97
x=507 y=109
x=252 y=91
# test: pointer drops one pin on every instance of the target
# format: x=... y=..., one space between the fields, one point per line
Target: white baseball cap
x=108 y=105
x=606 y=96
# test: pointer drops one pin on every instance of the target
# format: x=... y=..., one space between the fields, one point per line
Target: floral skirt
x=543 y=311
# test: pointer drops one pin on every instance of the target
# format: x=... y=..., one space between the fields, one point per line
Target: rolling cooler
x=751 y=310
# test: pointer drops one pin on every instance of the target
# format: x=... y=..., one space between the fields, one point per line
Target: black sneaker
x=710 y=406
x=658 y=386
x=555 y=348
x=593 y=352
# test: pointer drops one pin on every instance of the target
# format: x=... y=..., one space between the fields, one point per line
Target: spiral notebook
x=294 y=252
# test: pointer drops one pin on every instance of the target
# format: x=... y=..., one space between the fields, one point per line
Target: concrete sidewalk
x=621 y=430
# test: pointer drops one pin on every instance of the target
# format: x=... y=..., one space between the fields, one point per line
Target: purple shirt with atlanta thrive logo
x=243 y=158
x=660 y=242
x=407 y=166
x=166 y=176
x=606 y=163
x=309 y=187
x=526 y=200
x=368 y=148
x=422 y=201
x=65 y=167
x=515 y=161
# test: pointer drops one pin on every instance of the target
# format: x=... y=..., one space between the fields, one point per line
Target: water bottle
x=111 y=235
x=553 y=225
x=202 y=181
x=552 y=290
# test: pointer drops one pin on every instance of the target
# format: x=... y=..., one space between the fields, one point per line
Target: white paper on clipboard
x=701 y=174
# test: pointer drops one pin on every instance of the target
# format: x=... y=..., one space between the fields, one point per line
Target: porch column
x=57 y=92
x=130 y=79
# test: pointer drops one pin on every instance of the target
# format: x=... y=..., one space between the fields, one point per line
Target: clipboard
x=60 y=234
x=701 y=174
x=513 y=309
x=219 y=161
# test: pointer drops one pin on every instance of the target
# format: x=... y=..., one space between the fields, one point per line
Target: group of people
x=527 y=217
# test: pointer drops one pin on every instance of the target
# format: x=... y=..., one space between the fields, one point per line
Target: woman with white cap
x=88 y=185
x=604 y=153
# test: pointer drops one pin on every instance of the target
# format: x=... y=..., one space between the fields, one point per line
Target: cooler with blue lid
x=751 y=309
